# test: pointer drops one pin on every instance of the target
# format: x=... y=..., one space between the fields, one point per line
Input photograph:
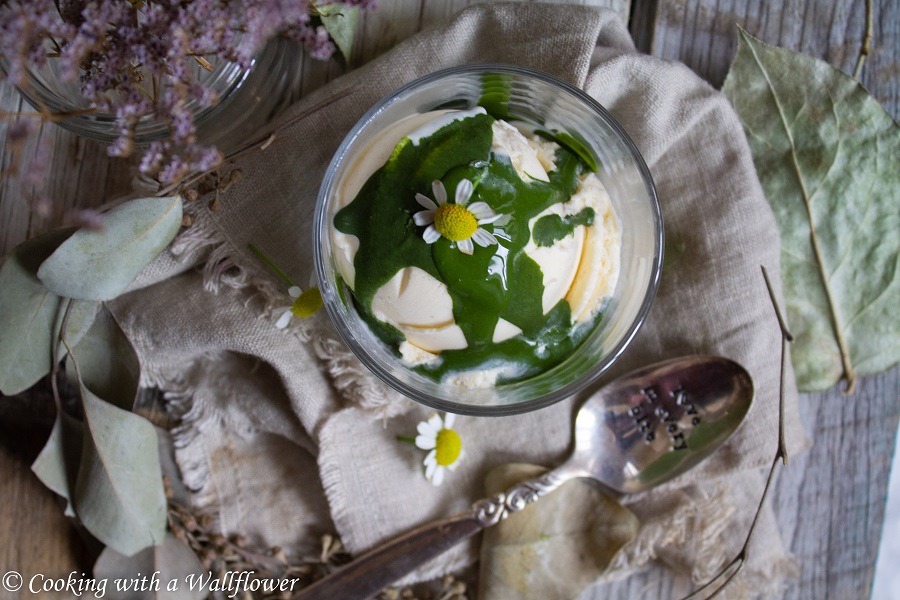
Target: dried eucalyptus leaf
x=554 y=548
x=827 y=156
x=119 y=493
x=172 y=559
x=57 y=464
x=99 y=265
x=340 y=21
x=109 y=365
x=31 y=315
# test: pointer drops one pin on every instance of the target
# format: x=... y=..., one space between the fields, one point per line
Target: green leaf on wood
x=108 y=363
x=339 y=21
x=172 y=559
x=57 y=464
x=827 y=156
x=119 y=494
x=31 y=315
x=99 y=265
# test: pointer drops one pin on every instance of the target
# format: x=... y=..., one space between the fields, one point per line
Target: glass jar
x=249 y=98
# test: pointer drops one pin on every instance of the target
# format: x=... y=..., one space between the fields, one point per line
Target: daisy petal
x=492 y=219
x=423 y=217
x=438 y=478
x=481 y=210
x=436 y=422
x=426 y=202
x=430 y=469
x=426 y=442
x=483 y=238
x=465 y=246
x=431 y=459
x=464 y=191
x=449 y=419
x=426 y=428
x=440 y=192
x=294 y=292
x=431 y=235
x=284 y=319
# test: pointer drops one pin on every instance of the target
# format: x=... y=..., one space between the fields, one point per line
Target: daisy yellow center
x=307 y=303
x=454 y=222
x=447 y=447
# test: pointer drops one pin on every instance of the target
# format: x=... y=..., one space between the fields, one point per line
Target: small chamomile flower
x=444 y=445
x=458 y=221
x=305 y=305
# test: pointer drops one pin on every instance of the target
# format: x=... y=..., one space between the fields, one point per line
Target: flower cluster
x=136 y=58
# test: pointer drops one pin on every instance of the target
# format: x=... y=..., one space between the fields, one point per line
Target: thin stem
x=261 y=255
x=717 y=583
x=404 y=438
x=260 y=143
x=867 y=40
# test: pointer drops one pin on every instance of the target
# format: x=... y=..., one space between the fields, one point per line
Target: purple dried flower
x=137 y=59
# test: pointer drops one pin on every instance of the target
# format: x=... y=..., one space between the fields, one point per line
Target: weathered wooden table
x=829 y=501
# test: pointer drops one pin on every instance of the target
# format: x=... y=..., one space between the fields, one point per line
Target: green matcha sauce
x=494 y=282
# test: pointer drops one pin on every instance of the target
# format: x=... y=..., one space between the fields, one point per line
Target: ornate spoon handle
x=373 y=571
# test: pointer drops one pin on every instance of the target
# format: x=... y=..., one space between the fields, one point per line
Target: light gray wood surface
x=829 y=501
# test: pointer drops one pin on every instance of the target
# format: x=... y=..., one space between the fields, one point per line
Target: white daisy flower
x=305 y=305
x=444 y=444
x=458 y=221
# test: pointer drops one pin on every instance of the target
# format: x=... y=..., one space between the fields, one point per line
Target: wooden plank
x=830 y=501
x=702 y=34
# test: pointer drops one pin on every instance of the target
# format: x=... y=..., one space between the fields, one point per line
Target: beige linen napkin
x=260 y=406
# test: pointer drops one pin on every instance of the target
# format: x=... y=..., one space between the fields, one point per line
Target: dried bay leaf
x=172 y=559
x=827 y=156
x=99 y=265
x=119 y=494
x=31 y=315
x=108 y=363
x=553 y=548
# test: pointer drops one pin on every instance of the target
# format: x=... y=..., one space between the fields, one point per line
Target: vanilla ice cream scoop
x=481 y=254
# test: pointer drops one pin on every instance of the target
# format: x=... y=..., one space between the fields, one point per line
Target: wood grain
x=829 y=501
x=703 y=35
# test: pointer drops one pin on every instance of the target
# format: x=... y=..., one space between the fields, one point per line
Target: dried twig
x=261 y=143
x=719 y=581
x=867 y=40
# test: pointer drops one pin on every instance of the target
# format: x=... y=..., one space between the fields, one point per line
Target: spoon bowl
x=635 y=433
x=654 y=424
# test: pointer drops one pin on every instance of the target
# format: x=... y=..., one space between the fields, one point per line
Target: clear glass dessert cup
x=553 y=103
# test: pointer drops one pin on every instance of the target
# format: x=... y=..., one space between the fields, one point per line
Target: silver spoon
x=637 y=432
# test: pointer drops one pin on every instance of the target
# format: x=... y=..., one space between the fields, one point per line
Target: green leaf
x=172 y=559
x=31 y=315
x=339 y=21
x=119 y=494
x=57 y=464
x=99 y=265
x=827 y=156
x=109 y=365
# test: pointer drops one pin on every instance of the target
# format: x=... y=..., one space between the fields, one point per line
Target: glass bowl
x=248 y=99
x=554 y=104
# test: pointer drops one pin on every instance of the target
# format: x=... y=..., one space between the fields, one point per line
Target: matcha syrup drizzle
x=497 y=281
